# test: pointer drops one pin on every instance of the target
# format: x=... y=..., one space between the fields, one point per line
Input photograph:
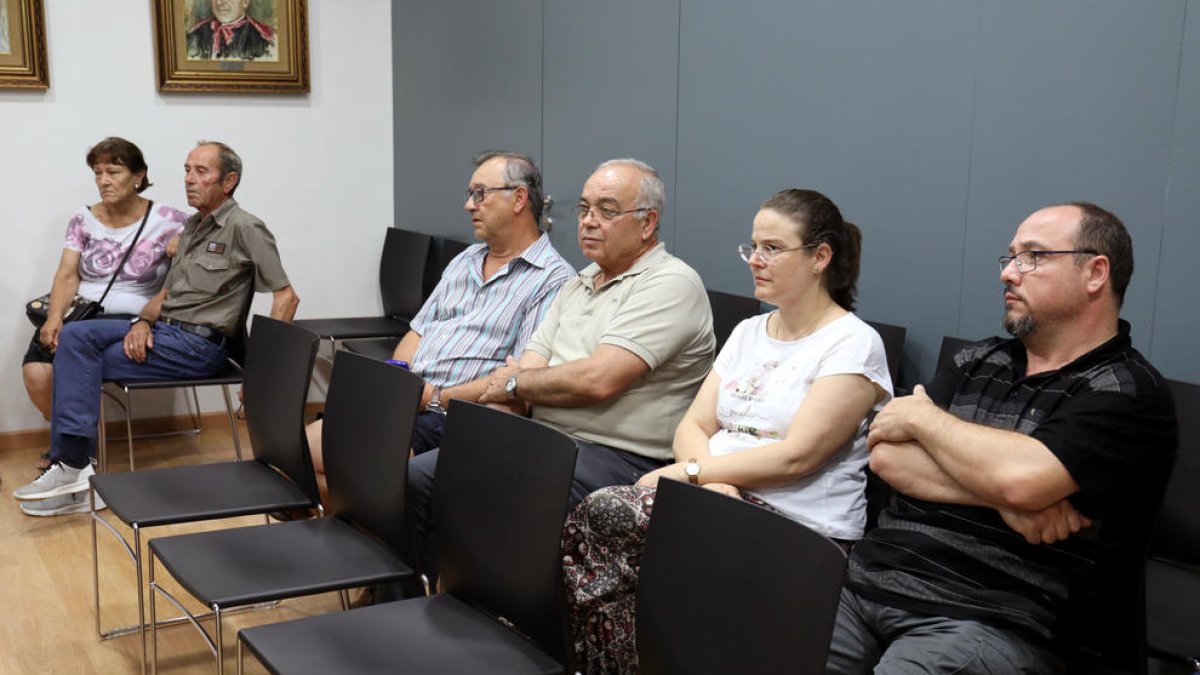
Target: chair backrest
x=369 y=414
x=893 y=346
x=279 y=362
x=499 y=503
x=402 y=272
x=1177 y=530
x=728 y=310
x=950 y=347
x=729 y=587
x=444 y=250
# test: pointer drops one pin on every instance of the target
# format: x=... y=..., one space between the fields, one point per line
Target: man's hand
x=894 y=423
x=138 y=341
x=496 y=392
x=1053 y=523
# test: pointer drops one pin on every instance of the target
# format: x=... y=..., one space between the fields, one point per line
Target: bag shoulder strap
x=128 y=251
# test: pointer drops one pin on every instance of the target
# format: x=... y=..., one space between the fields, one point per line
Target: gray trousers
x=869 y=637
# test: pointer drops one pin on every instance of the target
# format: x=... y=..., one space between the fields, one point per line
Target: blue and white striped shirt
x=469 y=326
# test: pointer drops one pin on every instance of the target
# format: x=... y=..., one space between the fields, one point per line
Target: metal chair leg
x=129 y=424
x=233 y=428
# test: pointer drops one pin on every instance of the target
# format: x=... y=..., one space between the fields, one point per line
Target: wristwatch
x=134 y=320
x=692 y=469
x=435 y=402
x=510 y=387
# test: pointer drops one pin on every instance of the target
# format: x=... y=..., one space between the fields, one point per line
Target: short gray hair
x=651 y=191
x=228 y=161
x=519 y=170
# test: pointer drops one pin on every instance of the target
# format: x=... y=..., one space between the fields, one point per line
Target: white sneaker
x=76 y=502
x=59 y=479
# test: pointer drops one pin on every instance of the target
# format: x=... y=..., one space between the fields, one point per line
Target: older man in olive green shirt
x=181 y=333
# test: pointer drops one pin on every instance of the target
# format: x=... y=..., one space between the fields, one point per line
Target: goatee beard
x=1020 y=327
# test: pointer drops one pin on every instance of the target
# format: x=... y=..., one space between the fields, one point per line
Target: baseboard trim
x=25 y=438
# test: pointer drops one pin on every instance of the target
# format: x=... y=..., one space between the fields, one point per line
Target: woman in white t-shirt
x=98 y=236
x=780 y=420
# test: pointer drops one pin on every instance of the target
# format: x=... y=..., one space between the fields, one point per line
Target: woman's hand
x=671 y=471
x=173 y=246
x=725 y=489
x=48 y=335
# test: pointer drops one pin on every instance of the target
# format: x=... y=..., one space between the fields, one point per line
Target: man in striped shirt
x=490 y=298
x=1026 y=476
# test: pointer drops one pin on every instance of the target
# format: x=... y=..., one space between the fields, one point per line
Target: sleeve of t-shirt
x=77 y=234
x=664 y=314
x=1106 y=439
x=259 y=245
x=728 y=355
x=858 y=351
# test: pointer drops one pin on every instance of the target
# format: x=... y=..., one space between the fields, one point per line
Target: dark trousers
x=596 y=466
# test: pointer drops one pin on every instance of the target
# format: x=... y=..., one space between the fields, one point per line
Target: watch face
x=692 y=469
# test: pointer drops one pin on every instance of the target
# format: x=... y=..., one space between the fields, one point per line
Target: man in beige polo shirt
x=181 y=333
x=622 y=349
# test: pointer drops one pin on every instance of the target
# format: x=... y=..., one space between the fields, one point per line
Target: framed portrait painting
x=238 y=46
x=23 y=45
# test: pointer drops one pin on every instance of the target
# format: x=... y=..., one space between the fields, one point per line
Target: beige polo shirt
x=209 y=282
x=658 y=310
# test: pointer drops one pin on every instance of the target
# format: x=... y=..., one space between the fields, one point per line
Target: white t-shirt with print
x=101 y=248
x=763 y=383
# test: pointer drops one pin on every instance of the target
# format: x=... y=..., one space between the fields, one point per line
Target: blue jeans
x=90 y=352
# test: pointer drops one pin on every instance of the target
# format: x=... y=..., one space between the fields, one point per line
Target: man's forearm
x=153 y=307
x=284 y=303
x=908 y=468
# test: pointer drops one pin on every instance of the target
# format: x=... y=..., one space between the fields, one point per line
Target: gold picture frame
x=232 y=46
x=23 y=45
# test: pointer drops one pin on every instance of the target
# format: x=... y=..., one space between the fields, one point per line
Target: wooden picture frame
x=23 y=45
x=256 y=46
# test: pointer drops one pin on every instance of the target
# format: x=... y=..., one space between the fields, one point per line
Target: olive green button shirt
x=219 y=257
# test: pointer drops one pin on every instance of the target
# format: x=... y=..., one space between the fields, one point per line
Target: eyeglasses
x=766 y=252
x=478 y=194
x=604 y=214
x=1027 y=261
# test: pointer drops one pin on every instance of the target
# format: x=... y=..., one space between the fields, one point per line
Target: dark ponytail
x=820 y=222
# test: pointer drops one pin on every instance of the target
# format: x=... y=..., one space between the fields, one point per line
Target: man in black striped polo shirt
x=1026 y=475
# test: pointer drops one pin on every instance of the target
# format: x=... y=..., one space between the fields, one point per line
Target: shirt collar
x=654 y=256
x=1114 y=345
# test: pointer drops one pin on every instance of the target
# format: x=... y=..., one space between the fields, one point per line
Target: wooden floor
x=47 y=615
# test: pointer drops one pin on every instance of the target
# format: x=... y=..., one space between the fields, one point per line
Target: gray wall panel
x=870 y=105
x=609 y=92
x=467 y=76
x=1177 y=308
x=1075 y=102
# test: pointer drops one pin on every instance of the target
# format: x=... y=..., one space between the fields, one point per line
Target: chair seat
x=184 y=494
x=353 y=328
x=230 y=376
x=276 y=561
x=436 y=634
x=380 y=349
x=1173 y=609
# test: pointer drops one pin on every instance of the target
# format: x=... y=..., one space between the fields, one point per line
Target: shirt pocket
x=207 y=274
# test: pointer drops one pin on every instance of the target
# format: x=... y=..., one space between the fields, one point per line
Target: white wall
x=318 y=167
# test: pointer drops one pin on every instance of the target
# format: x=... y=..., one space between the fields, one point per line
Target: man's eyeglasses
x=766 y=252
x=478 y=194
x=604 y=214
x=1027 y=261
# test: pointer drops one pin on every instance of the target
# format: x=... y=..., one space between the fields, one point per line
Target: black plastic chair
x=1173 y=570
x=499 y=505
x=728 y=310
x=729 y=587
x=122 y=392
x=368 y=422
x=893 y=346
x=280 y=358
x=444 y=250
x=401 y=278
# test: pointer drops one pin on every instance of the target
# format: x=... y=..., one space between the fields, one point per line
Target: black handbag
x=80 y=309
